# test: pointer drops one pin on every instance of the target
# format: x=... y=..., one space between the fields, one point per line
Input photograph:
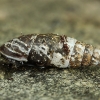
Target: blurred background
x=75 y=18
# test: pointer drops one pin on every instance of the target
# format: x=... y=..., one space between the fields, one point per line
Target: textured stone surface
x=79 y=19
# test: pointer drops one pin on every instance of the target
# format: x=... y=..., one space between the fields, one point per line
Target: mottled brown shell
x=49 y=50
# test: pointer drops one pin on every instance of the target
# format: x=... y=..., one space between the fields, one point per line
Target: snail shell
x=49 y=50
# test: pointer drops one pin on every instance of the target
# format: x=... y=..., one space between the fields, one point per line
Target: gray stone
x=75 y=18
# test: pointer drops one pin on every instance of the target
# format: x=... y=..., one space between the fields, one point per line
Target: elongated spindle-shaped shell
x=50 y=50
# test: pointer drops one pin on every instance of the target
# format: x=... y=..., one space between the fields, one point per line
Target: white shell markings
x=60 y=45
x=96 y=57
x=41 y=48
x=16 y=58
x=77 y=55
x=87 y=56
x=18 y=49
x=59 y=61
x=22 y=49
x=70 y=43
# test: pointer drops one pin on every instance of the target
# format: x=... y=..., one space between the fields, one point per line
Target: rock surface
x=79 y=19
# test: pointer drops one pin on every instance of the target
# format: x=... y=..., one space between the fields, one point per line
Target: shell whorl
x=18 y=48
x=50 y=50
